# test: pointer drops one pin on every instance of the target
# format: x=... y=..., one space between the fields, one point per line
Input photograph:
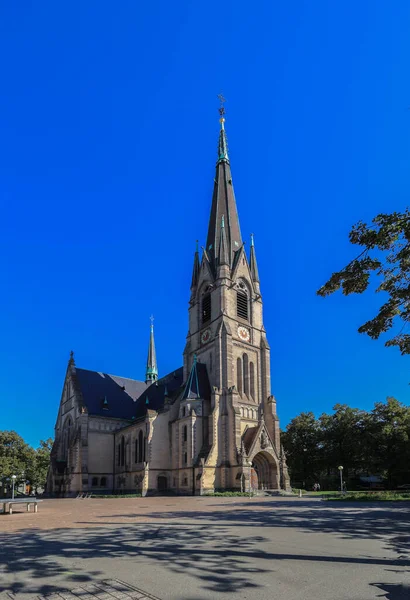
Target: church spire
x=152 y=369
x=253 y=264
x=196 y=268
x=223 y=204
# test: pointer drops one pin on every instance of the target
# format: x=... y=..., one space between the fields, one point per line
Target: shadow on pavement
x=33 y=561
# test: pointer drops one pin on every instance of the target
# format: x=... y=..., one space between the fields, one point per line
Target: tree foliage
x=364 y=443
x=386 y=253
x=20 y=459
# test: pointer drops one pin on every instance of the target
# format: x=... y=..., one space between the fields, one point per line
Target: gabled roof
x=121 y=398
x=108 y=395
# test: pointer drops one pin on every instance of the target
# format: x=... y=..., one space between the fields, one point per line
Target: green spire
x=222 y=143
x=152 y=369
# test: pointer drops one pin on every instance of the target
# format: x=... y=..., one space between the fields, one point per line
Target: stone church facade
x=209 y=425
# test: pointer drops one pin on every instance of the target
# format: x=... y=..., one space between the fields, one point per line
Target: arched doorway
x=264 y=474
x=162 y=483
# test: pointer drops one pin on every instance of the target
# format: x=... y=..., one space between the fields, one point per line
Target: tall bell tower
x=226 y=330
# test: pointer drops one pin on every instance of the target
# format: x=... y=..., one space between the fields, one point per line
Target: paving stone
x=104 y=590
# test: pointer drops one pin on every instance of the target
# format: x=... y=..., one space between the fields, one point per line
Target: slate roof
x=104 y=396
x=98 y=388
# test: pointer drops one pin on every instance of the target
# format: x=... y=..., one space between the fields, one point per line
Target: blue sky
x=109 y=125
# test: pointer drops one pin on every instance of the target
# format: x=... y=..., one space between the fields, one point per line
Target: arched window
x=103 y=482
x=206 y=308
x=185 y=458
x=119 y=455
x=245 y=374
x=252 y=378
x=185 y=433
x=136 y=450
x=242 y=304
x=94 y=482
x=140 y=447
x=144 y=446
x=122 y=451
x=239 y=375
x=183 y=411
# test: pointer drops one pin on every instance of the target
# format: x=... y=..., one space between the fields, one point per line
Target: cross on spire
x=222 y=101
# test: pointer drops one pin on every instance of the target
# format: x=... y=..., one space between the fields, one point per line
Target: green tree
x=386 y=253
x=15 y=456
x=389 y=434
x=343 y=442
x=38 y=466
x=302 y=443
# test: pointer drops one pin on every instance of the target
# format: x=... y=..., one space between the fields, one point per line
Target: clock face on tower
x=205 y=336
x=244 y=333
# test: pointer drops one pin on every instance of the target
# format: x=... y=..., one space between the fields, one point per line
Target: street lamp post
x=13 y=479
x=341 y=478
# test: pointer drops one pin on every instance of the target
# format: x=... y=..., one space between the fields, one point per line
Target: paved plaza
x=194 y=548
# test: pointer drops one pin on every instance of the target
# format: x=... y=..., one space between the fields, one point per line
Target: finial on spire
x=152 y=322
x=221 y=109
x=252 y=241
x=71 y=361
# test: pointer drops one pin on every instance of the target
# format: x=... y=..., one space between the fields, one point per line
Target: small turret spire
x=152 y=369
x=253 y=264
x=196 y=268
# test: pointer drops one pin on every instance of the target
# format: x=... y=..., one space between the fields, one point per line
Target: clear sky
x=109 y=125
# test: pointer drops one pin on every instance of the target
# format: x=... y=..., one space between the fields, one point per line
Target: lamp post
x=13 y=479
x=341 y=478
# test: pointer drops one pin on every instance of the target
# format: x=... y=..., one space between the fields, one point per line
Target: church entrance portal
x=162 y=483
x=264 y=472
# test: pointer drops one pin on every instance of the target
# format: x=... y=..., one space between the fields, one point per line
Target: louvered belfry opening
x=242 y=305
x=206 y=308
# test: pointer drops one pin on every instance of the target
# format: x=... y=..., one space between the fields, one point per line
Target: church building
x=209 y=425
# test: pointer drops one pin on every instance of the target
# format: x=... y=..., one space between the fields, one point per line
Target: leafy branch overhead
x=386 y=252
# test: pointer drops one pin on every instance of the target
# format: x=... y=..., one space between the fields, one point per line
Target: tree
x=343 y=442
x=38 y=467
x=386 y=252
x=389 y=430
x=15 y=456
x=302 y=443
x=20 y=459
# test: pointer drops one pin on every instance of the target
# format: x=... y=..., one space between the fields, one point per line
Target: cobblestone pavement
x=206 y=549
x=109 y=589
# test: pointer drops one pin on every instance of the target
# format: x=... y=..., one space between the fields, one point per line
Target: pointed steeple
x=253 y=264
x=152 y=369
x=223 y=205
x=196 y=268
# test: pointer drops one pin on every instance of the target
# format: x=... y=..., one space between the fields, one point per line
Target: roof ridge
x=109 y=374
